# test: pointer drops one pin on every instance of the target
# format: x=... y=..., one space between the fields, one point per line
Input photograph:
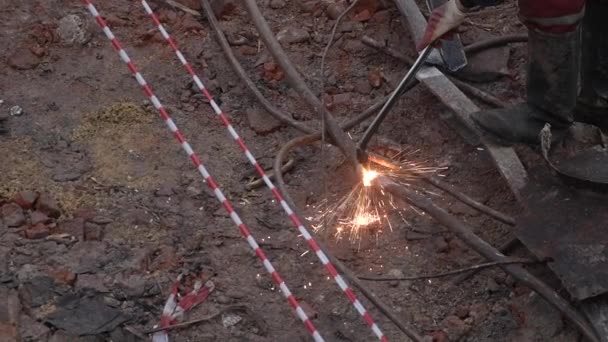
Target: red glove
x=443 y=19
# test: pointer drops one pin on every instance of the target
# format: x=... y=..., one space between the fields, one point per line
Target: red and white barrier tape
x=175 y=307
x=203 y=171
x=294 y=218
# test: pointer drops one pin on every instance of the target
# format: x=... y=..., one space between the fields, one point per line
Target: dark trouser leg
x=552 y=74
x=593 y=100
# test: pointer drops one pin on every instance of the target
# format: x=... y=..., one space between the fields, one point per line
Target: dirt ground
x=138 y=213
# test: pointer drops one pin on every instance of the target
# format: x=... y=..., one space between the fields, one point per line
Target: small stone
x=462 y=312
x=62 y=173
x=73 y=30
x=363 y=87
x=440 y=245
x=277 y=4
x=229 y=320
x=222 y=7
x=16 y=111
x=235 y=294
x=375 y=78
x=188 y=23
x=39 y=217
x=364 y=15
x=264 y=283
x=131 y=286
x=221 y=299
x=91 y=281
x=115 y=21
x=12 y=215
x=439 y=336
x=309 y=310
x=23 y=59
x=28 y=272
x=395 y=273
x=293 y=35
x=334 y=10
x=37 y=231
x=309 y=6
x=93 y=232
x=165 y=190
x=194 y=191
x=261 y=122
x=26 y=199
x=31 y=330
x=111 y=301
x=492 y=286
x=48 y=205
x=510 y=281
x=383 y=16
x=353 y=46
x=247 y=50
x=455 y=328
x=500 y=310
x=344 y=99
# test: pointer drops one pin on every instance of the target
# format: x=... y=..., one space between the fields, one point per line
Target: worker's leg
x=552 y=73
x=593 y=100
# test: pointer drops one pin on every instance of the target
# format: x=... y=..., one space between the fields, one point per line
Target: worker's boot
x=592 y=106
x=552 y=87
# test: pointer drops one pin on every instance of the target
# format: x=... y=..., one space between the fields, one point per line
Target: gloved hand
x=442 y=20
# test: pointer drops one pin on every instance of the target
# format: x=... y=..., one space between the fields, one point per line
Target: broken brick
x=375 y=78
x=38 y=231
x=48 y=205
x=39 y=217
x=439 y=336
x=65 y=276
x=272 y=72
x=12 y=215
x=26 y=199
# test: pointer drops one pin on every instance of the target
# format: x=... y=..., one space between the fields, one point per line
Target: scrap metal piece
x=451 y=49
x=586 y=168
x=567 y=226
